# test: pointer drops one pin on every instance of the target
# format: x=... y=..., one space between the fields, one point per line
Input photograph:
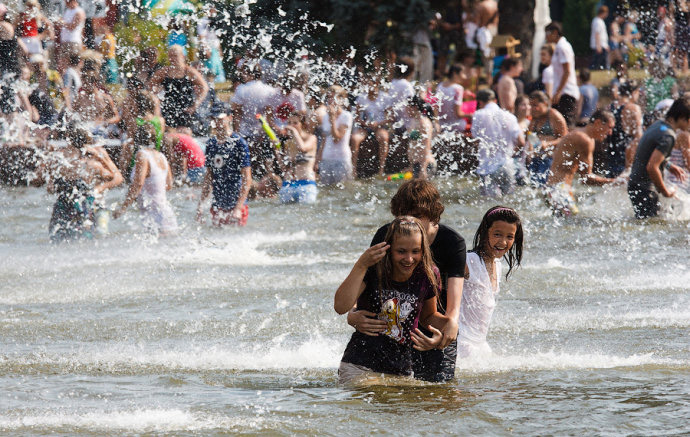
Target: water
x=233 y=331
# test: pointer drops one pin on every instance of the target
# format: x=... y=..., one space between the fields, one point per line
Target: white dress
x=157 y=213
x=477 y=307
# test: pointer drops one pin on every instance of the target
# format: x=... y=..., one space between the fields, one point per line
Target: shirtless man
x=574 y=153
x=487 y=13
x=506 y=88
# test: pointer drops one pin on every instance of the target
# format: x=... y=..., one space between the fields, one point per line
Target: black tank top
x=616 y=143
x=179 y=93
x=9 y=56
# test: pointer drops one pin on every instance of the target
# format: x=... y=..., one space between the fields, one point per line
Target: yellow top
x=108 y=45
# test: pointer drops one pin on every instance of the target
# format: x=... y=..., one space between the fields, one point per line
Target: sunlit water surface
x=233 y=332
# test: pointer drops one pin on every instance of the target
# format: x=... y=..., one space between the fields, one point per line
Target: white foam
x=311 y=354
x=574 y=320
x=557 y=361
x=142 y=420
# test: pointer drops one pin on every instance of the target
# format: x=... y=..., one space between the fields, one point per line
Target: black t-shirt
x=399 y=304
x=659 y=136
x=448 y=251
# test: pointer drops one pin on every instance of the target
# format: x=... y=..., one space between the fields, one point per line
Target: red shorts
x=222 y=217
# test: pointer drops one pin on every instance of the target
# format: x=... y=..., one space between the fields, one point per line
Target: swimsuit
x=72 y=216
x=561 y=200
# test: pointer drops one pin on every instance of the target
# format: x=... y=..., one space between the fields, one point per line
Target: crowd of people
x=286 y=129
x=417 y=298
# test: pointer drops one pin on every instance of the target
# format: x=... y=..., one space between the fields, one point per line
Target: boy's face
x=682 y=123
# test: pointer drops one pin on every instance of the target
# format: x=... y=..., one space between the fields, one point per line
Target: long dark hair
x=481 y=238
x=404 y=226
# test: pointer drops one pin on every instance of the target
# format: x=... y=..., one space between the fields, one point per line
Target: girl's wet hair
x=145 y=103
x=418 y=198
x=423 y=107
x=77 y=136
x=481 y=238
x=405 y=226
x=145 y=135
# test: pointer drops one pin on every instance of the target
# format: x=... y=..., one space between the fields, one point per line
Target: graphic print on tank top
x=396 y=308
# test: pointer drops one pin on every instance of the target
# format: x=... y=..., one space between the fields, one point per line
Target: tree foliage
x=577 y=19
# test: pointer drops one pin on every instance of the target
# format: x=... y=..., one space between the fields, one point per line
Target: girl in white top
x=151 y=178
x=545 y=55
x=334 y=159
x=499 y=236
x=72 y=23
x=450 y=94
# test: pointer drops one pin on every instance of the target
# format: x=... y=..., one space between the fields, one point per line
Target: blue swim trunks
x=298 y=191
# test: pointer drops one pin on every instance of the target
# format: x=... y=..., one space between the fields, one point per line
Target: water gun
x=399 y=176
x=267 y=128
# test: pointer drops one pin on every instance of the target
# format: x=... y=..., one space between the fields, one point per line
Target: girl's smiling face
x=501 y=238
x=406 y=254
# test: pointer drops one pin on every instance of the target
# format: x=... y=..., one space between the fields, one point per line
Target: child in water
x=397 y=280
x=499 y=236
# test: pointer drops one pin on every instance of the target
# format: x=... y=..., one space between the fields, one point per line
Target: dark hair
x=549 y=48
x=74 y=59
x=403 y=68
x=145 y=135
x=602 y=115
x=539 y=96
x=423 y=107
x=481 y=237
x=149 y=54
x=628 y=87
x=299 y=114
x=519 y=99
x=78 y=136
x=584 y=75
x=554 y=27
x=417 y=197
x=145 y=103
x=679 y=109
x=509 y=63
x=602 y=9
x=455 y=69
x=134 y=83
x=405 y=226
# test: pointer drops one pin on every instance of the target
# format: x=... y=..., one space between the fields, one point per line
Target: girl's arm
x=434 y=321
x=169 y=179
x=113 y=112
x=353 y=286
x=200 y=88
x=206 y=189
x=141 y=169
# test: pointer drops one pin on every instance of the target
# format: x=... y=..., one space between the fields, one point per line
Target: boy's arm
x=244 y=191
x=205 y=192
x=433 y=321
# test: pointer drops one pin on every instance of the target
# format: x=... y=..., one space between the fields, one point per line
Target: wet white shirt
x=449 y=97
x=337 y=150
x=254 y=97
x=478 y=301
x=498 y=131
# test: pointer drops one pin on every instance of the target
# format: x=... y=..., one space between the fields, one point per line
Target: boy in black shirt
x=651 y=160
x=422 y=200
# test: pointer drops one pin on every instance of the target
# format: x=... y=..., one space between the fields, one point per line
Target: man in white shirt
x=599 y=40
x=254 y=97
x=499 y=136
x=566 y=93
